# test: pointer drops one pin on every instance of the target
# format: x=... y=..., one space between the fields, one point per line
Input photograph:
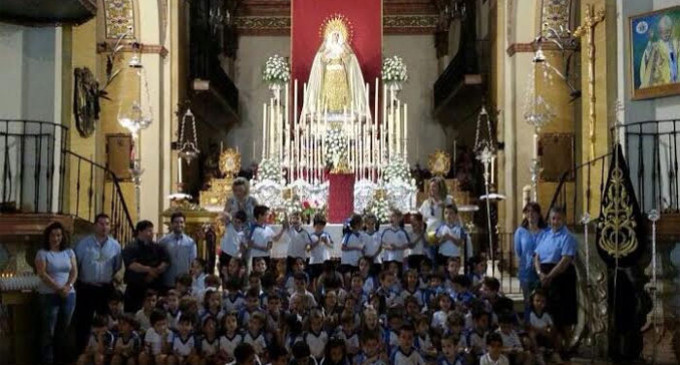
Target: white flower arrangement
x=394 y=70
x=380 y=207
x=336 y=146
x=269 y=169
x=276 y=70
x=397 y=169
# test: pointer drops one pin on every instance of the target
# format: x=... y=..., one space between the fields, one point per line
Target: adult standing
x=99 y=259
x=432 y=208
x=241 y=199
x=553 y=261
x=526 y=239
x=145 y=262
x=56 y=266
x=181 y=250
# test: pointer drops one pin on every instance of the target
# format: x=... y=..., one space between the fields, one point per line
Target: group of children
x=394 y=299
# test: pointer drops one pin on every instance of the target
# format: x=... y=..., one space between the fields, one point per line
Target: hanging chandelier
x=188 y=146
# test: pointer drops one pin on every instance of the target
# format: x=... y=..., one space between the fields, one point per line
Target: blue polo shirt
x=552 y=245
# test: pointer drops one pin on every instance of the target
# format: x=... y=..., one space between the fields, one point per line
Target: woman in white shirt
x=432 y=208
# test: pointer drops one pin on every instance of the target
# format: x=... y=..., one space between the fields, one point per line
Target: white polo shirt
x=449 y=248
x=299 y=240
x=398 y=238
x=261 y=237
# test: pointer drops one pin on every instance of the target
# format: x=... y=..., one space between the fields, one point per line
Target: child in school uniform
x=184 y=343
x=157 y=340
x=449 y=235
x=127 y=344
x=320 y=247
x=395 y=241
x=209 y=343
x=230 y=338
x=406 y=353
x=262 y=236
x=234 y=239
x=373 y=249
x=418 y=243
x=353 y=244
x=100 y=345
x=494 y=355
x=299 y=240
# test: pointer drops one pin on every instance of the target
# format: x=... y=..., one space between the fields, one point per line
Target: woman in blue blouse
x=56 y=266
x=526 y=239
x=553 y=261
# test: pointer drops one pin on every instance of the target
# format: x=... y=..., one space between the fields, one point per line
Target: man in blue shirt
x=99 y=259
x=180 y=248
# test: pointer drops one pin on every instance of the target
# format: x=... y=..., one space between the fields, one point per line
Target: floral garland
x=380 y=207
x=269 y=169
x=397 y=169
x=336 y=146
x=394 y=69
x=276 y=70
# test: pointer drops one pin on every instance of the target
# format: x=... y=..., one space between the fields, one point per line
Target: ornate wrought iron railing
x=652 y=149
x=593 y=175
x=39 y=175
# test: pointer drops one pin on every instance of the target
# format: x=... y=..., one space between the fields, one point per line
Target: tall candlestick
x=383 y=127
x=295 y=155
x=179 y=172
x=345 y=132
x=286 y=129
x=374 y=129
x=535 y=143
x=398 y=128
x=264 y=129
x=493 y=169
x=405 y=130
x=272 y=135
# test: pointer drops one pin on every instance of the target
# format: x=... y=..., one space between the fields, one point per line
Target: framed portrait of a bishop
x=654 y=48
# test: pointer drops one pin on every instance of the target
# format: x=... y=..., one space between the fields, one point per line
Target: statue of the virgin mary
x=335 y=81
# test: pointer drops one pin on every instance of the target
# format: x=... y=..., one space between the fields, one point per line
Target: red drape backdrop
x=365 y=17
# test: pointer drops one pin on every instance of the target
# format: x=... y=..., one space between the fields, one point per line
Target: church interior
x=331 y=110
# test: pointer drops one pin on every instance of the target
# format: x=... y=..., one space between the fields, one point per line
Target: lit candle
x=535 y=143
x=493 y=169
x=264 y=129
x=286 y=129
x=272 y=137
x=405 y=130
x=295 y=153
x=179 y=170
x=383 y=129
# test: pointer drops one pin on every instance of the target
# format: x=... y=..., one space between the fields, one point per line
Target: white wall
x=419 y=55
x=252 y=54
x=27 y=92
x=645 y=110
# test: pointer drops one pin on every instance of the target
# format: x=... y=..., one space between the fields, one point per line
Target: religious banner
x=363 y=20
x=621 y=238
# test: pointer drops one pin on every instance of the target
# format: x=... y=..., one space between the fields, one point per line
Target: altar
x=337 y=142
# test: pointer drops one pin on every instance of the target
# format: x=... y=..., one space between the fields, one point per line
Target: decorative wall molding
x=272 y=17
x=119 y=19
x=410 y=24
x=531 y=48
x=392 y=24
x=128 y=47
x=262 y=25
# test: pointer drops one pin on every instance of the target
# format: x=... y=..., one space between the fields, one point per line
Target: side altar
x=334 y=133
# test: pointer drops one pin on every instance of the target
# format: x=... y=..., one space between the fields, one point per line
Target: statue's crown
x=336 y=23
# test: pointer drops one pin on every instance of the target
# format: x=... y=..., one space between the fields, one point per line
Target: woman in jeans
x=56 y=266
x=526 y=239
